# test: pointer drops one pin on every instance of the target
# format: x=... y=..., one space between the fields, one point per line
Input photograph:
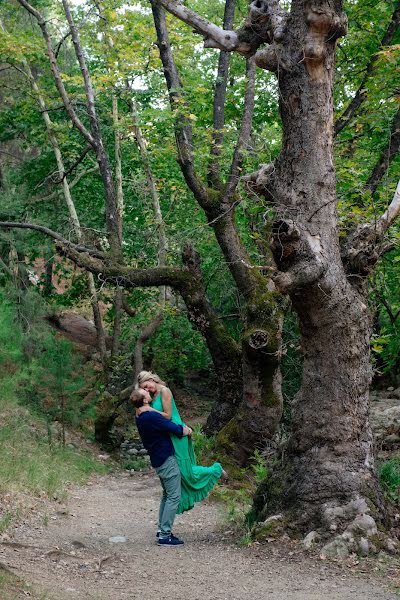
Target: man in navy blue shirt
x=154 y=430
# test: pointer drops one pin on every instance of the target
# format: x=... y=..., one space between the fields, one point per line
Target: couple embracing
x=168 y=442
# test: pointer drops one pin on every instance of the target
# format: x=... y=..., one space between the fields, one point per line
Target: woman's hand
x=142 y=409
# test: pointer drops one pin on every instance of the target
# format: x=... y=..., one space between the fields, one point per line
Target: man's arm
x=163 y=424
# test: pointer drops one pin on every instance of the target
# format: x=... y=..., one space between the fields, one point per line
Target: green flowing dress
x=196 y=481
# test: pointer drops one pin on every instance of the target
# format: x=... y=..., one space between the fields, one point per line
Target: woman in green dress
x=196 y=481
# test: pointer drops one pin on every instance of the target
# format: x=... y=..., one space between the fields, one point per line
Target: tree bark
x=329 y=462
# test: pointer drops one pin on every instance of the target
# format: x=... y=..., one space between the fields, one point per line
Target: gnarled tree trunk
x=329 y=463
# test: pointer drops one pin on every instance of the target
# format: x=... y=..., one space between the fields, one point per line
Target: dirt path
x=71 y=557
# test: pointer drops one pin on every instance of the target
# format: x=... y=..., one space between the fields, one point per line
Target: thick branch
x=123 y=276
x=266 y=22
x=361 y=93
x=387 y=155
x=222 y=39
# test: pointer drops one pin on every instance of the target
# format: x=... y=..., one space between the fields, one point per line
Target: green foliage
x=50 y=377
x=385 y=307
x=389 y=474
x=259 y=467
x=132 y=69
x=204 y=445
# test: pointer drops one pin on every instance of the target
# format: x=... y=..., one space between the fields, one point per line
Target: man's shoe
x=171 y=540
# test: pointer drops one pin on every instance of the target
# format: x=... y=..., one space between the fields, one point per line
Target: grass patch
x=29 y=461
x=389 y=474
x=33 y=464
x=12 y=586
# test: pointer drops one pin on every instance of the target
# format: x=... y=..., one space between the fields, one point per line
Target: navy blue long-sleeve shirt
x=154 y=430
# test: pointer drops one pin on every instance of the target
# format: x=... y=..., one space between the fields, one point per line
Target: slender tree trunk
x=151 y=328
x=72 y=213
x=119 y=216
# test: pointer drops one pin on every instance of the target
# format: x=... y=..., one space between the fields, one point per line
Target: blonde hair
x=146 y=376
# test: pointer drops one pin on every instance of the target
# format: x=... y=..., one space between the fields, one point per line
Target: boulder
x=337 y=549
x=311 y=539
x=385 y=421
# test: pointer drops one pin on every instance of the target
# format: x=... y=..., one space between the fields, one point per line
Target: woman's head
x=149 y=381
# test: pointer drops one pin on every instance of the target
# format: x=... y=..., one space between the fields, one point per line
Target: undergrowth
x=235 y=496
x=34 y=462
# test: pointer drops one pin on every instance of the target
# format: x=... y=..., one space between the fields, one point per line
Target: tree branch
x=75 y=164
x=216 y=36
x=266 y=22
x=116 y=274
x=361 y=93
x=387 y=155
x=54 y=235
x=245 y=128
x=364 y=246
x=183 y=129
x=58 y=191
x=56 y=73
x=60 y=43
x=101 y=264
x=112 y=220
x=214 y=177
x=131 y=312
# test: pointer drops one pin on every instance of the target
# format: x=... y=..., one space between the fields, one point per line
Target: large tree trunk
x=329 y=465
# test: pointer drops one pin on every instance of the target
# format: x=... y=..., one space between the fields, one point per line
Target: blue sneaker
x=171 y=540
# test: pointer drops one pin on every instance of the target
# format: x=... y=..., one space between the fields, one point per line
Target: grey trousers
x=170 y=477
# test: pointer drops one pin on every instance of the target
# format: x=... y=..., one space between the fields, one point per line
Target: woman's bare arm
x=166 y=399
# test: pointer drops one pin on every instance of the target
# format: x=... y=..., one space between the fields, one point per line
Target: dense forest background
x=53 y=177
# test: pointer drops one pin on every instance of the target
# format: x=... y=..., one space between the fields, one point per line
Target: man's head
x=138 y=398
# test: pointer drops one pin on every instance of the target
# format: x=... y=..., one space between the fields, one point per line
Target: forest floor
x=67 y=554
